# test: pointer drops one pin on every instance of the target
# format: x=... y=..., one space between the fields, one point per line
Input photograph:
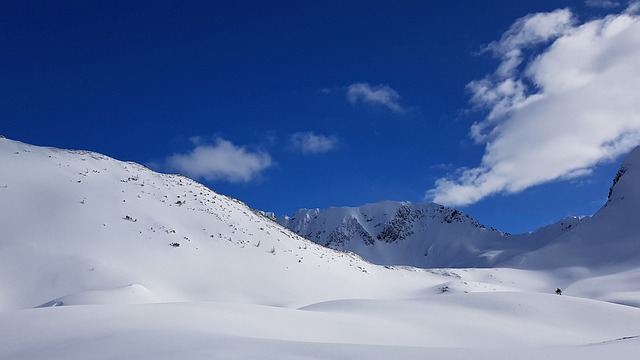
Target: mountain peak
x=398 y=233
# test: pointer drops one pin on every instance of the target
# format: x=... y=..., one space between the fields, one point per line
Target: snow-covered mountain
x=609 y=239
x=80 y=227
x=166 y=268
x=422 y=235
x=430 y=235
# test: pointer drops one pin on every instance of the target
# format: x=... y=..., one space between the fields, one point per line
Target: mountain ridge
x=103 y=226
x=424 y=235
x=431 y=228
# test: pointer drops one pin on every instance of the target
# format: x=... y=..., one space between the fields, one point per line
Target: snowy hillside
x=421 y=235
x=104 y=259
x=610 y=238
x=80 y=227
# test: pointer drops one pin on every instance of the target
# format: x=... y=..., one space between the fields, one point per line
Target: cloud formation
x=311 y=143
x=573 y=105
x=606 y=4
x=374 y=95
x=221 y=161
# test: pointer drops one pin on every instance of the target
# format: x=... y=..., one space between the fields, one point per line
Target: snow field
x=130 y=264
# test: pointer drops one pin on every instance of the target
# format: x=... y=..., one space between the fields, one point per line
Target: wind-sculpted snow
x=462 y=326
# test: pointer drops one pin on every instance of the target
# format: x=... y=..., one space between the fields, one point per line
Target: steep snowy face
x=402 y=233
x=610 y=238
x=625 y=186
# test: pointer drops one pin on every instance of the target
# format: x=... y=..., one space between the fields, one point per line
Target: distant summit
x=421 y=235
x=432 y=235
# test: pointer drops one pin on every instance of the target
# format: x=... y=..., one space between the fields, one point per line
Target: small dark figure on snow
x=558 y=291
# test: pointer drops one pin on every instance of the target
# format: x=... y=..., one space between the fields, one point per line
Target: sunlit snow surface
x=101 y=259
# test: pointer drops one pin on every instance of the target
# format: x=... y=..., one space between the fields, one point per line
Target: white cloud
x=311 y=143
x=634 y=8
x=379 y=94
x=574 y=105
x=221 y=161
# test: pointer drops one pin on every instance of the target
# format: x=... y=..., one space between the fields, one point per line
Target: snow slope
x=609 y=239
x=103 y=259
x=78 y=225
x=478 y=326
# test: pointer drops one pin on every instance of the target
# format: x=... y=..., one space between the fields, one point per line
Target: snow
x=87 y=271
x=483 y=325
x=609 y=240
x=422 y=235
x=398 y=233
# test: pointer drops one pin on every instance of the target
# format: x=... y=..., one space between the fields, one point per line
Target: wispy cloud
x=311 y=143
x=574 y=105
x=374 y=95
x=605 y=4
x=221 y=160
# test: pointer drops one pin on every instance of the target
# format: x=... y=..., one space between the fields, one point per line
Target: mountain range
x=431 y=235
x=421 y=235
x=102 y=259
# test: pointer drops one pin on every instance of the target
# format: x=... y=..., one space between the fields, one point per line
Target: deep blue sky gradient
x=136 y=80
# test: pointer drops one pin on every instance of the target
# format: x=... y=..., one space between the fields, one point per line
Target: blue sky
x=518 y=113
